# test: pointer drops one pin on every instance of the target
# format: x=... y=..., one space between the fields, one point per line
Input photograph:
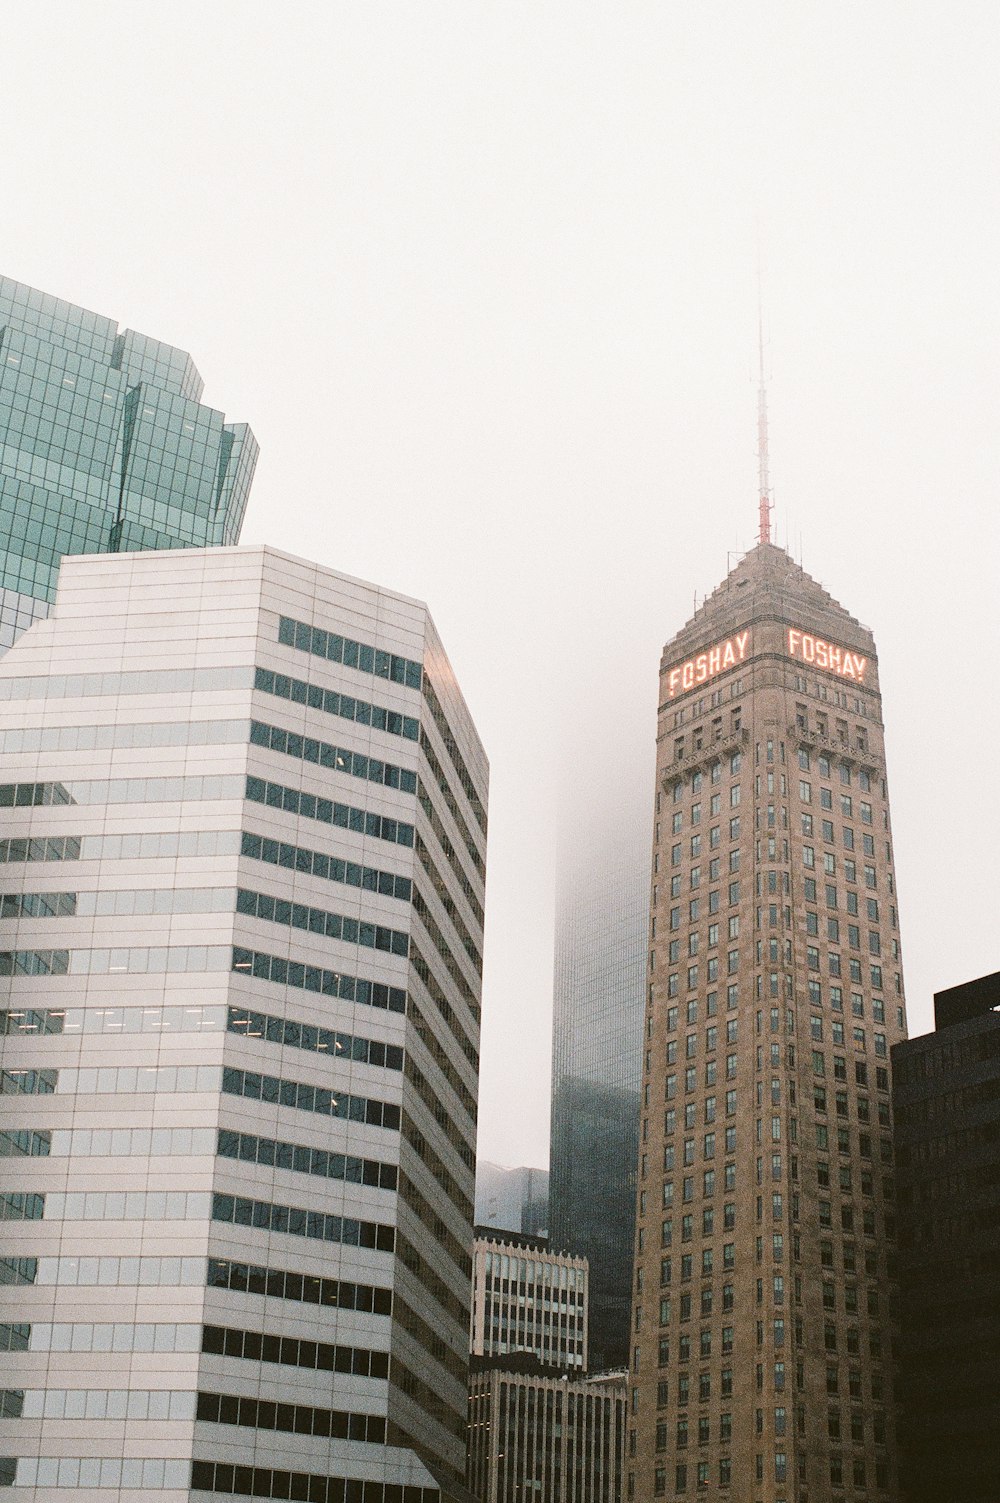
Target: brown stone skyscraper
x=761 y=1323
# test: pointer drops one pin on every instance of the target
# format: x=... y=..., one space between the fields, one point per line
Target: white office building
x=242 y=861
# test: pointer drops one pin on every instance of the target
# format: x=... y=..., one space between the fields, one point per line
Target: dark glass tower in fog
x=601 y=918
x=105 y=447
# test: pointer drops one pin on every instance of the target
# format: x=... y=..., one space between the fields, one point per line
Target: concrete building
x=512 y=1200
x=946 y=1094
x=242 y=868
x=528 y=1300
x=602 y=900
x=762 y=1342
x=105 y=447
x=546 y=1438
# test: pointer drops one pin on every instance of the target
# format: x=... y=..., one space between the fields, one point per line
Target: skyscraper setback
x=761 y=1362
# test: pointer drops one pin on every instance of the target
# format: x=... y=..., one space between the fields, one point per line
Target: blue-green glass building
x=105 y=447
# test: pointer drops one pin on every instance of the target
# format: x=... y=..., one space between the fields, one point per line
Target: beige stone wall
x=729 y=748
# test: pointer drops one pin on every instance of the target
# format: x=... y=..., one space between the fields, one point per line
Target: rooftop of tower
x=57 y=322
x=767 y=582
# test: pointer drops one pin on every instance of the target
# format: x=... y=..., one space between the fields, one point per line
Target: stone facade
x=761 y=1336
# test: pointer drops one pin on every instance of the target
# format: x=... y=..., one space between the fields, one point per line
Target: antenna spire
x=763 y=477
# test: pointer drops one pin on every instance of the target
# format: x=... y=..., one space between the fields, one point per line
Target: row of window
x=827 y=836
x=293 y=1351
x=116 y=1336
x=328 y=812
x=299 y=1221
x=830 y=867
x=696 y=781
x=248 y=1148
x=320 y=921
x=303 y=1288
x=120 y=735
x=437 y=825
x=127 y=1205
x=148 y=1271
x=127 y=902
x=694 y=905
x=302 y=1097
x=695 y=873
x=333 y=703
x=21 y=1205
x=457 y=760
x=712 y=935
x=714 y=809
x=32 y=1022
x=133 y=681
x=294 y=1035
x=695 y=844
x=42 y=904
x=24 y=1142
x=262 y=1482
x=222 y=785
x=93 y=1471
x=42 y=848
x=825 y=765
x=150 y=844
x=130 y=1080
x=334 y=758
x=28 y=1082
x=312 y=978
x=97 y=1403
x=712 y=971
x=297 y=1419
x=328 y=868
x=137 y=960
x=338 y=649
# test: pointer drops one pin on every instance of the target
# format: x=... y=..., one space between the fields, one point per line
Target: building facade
x=946 y=1093
x=550 y=1439
x=242 y=869
x=528 y=1300
x=105 y=447
x=512 y=1200
x=599 y=989
x=762 y=1347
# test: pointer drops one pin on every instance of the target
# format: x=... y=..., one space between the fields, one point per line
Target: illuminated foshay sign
x=826 y=655
x=707 y=664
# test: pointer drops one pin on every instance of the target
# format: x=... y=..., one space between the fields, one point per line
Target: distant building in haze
x=105 y=447
x=946 y=1093
x=602 y=915
x=514 y=1200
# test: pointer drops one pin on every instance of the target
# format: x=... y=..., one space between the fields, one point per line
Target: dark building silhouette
x=946 y=1092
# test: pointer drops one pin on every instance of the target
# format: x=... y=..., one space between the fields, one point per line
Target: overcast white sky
x=482 y=279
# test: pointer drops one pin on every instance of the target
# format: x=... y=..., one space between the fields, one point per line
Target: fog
x=482 y=278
